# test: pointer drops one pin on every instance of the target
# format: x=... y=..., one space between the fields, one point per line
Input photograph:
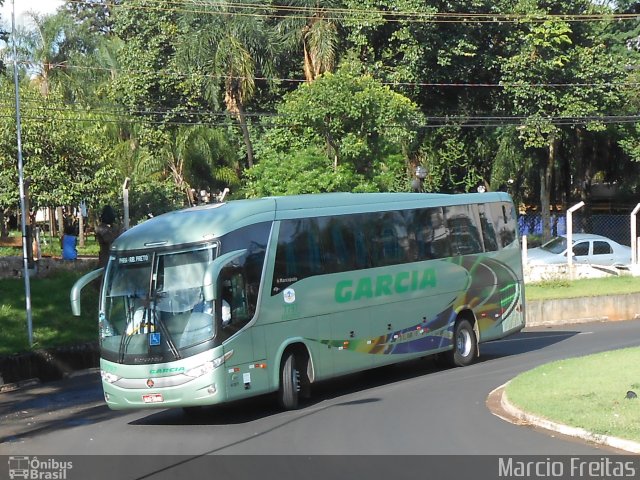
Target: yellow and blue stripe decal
x=493 y=294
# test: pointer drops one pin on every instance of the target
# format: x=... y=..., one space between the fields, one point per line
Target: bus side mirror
x=82 y=282
x=213 y=271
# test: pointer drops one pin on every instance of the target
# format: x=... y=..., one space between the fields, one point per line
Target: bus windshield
x=153 y=309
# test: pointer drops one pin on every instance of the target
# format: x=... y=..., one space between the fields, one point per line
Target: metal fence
x=615 y=227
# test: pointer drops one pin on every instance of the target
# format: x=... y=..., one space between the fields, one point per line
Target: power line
x=119 y=111
x=500 y=85
x=338 y=14
x=447 y=121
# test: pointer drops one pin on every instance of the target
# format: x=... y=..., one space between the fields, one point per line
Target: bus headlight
x=208 y=367
x=109 y=377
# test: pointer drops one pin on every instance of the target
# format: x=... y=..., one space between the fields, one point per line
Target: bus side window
x=508 y=233
x=298 y=254
x=233 y=299
x=389 y=241
x=337 y=244
x=488 y=225
x=465 y=237
x=361 y=249
x=429 y=233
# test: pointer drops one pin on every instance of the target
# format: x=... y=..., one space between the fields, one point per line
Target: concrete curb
x=12 y=387
x=563 y=311
x=48 y=364
x=516 y=416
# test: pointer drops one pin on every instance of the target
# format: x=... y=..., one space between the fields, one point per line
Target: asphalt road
x=409 y=409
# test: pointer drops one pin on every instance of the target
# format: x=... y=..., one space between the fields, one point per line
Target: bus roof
x=320 y=204
x=198 y=224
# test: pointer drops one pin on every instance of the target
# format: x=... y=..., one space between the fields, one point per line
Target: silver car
x=587 y=248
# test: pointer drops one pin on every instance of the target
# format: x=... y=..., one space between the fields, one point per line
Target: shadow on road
x=249 y=410
x=523 y=342
x=34 y=411
x=54 y=406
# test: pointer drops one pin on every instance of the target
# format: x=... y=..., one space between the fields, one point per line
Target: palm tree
x=49 y=47
x=55 y=49
x=229 y=45
x=193 y=156
x=313 y=26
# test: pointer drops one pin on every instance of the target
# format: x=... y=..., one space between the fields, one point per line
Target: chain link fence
x=616 y=227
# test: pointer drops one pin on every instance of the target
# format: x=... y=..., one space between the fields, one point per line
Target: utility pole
x=23 y=199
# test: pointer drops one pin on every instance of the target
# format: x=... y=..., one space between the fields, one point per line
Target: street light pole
x=417 y=185
x=570 y=237
x=125 y=201
x=23 y=198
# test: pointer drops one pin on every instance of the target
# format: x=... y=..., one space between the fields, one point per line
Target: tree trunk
x=584 y=163
x=60 y=218
x=242 y=119
x=545 y=204
x=332 y=148
x=546 y=175
x=53 y=232
x=81 y=242
x=309 y=73
x=3 y=225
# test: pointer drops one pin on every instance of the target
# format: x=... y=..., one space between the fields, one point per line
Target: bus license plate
x=153 y=398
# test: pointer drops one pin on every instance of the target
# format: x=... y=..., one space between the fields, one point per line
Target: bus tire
x=465 y=345
x=289 y=390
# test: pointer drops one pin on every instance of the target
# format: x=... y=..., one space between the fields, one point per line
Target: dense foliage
x=285 y=97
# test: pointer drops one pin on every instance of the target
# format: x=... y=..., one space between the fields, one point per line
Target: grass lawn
x=591 y=287
x=53 y=323
x=50 y=246
x=587 y=392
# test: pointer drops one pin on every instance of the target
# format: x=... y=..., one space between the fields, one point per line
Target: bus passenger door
x=235 y=308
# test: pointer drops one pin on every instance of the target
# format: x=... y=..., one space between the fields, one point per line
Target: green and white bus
x=224 y=301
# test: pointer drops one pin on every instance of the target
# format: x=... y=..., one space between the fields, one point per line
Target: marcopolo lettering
x=385 y=285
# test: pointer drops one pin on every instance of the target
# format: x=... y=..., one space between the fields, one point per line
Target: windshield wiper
x=164 y=330
x=125 y=337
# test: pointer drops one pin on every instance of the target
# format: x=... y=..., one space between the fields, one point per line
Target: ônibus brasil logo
x=32 y=468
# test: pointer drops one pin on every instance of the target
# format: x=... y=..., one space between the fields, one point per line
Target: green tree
x=44 y=47
x=445 y=57
x=358 y=121
x=96 y=16
x=550 y=51
x=297 y=172
x=148 y=84
x=451 y=163
x=191 y=157
x=58 y=50
x=227 y=47
x=62 y=160
x=311 y=26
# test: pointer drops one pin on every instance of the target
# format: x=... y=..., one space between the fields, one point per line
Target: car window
x=581 y=249
x=556 y=245
x=601 y=248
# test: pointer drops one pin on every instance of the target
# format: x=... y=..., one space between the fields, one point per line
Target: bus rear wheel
x=465 y=345
x=288 y=393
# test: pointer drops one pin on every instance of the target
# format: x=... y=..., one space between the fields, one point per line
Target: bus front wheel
x=289 y=390
x=465 y=346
